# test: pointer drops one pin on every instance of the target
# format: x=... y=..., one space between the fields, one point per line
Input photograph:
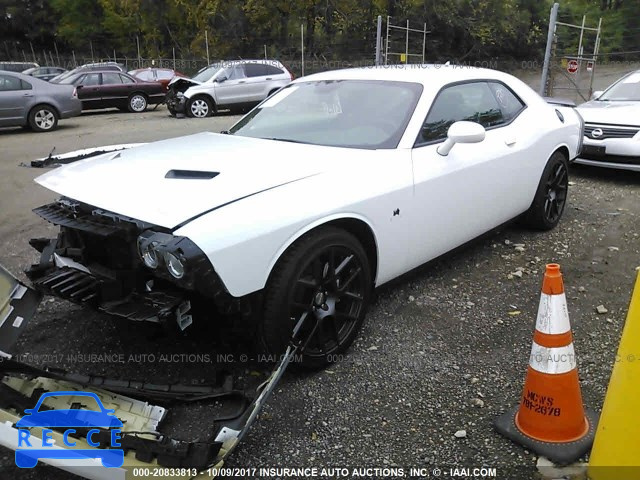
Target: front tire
x=324 y=277
x=137 y=103
x=43 y=118
x=551 y=196
x=199 y=107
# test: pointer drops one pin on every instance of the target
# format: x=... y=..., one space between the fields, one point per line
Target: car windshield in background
x=627 y=89
x=207 y=74
x=338 y=113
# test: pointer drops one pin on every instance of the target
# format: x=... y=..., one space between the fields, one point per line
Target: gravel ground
x=443 y=349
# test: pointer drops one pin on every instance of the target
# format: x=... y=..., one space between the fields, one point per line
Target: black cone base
x=559 y=453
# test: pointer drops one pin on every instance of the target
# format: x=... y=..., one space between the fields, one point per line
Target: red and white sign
x=572 y=66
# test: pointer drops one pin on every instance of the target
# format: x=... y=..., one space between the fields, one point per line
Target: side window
x=165 y=74
x=25 y=85
x=473 y=102
x=111 y=79
x=271 y=70
x=125 y=79
x=236 y=72
x=146 y=75
x=255 y=70
x=508 y=102
x=8 y=83
x=90 y=79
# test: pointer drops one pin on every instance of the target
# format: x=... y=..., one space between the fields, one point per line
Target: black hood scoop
x=191 y=174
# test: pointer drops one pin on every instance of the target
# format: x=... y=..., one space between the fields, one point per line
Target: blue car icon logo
x=64 y=421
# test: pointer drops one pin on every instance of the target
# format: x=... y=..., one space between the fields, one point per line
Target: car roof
x=417 y=73
x=22 y=76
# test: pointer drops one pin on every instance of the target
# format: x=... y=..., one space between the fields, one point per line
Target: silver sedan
x=28 y=101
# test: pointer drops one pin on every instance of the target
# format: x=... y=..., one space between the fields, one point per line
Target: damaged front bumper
x=96 y=261
x=176 y=101
x=143 y=443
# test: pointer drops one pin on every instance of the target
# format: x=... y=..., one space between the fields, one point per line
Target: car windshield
x=627 y=89
x=367 y=114
x=207 y=73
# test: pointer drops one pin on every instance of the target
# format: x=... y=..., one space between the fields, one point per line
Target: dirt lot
x=441 y=349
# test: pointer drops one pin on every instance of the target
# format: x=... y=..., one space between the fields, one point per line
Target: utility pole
x=302 y=44
x=206 y=40
x=379 y=41
x=553 y=18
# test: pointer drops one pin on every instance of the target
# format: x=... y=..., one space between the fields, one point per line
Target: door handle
x=269 y=78
x=510 y=142
x=27 y=95
x=241 y=81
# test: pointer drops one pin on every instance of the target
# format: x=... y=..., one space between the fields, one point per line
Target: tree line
x=333 y=29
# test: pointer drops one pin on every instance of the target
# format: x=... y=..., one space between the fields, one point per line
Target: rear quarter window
x=509 y=103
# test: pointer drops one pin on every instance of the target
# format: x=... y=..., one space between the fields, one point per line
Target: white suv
x=236 y=85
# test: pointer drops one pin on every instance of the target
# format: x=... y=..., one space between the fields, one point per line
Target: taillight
x=290 y=74
x=75 y=93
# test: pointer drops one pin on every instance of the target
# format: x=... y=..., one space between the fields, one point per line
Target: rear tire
x=551 y=196
x=325 y=276
x=137 y=103
x=43 y=118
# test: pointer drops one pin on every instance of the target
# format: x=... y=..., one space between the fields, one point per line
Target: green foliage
x=334 y=29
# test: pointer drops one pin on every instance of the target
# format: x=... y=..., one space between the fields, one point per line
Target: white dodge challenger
x=334 y=185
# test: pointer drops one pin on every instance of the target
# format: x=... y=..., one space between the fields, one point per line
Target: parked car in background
x=612 y=126
x=113 y=89
x=90 y=67
x=236 y=85
x=410 y=163
x=17 y=66
x=44 y=73
x=153 y=74
x=28 y=101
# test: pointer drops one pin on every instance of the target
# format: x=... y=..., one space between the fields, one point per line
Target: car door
x=15 y=95
x=233 y=89
x=475 y=187
x=256 y=85
x=89 y=90
x=113 y=92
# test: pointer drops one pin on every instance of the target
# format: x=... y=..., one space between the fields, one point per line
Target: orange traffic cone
x=551 y=419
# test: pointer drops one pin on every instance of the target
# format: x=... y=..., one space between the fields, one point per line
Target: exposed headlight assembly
x=148 y=253
x=174 y=265
x=171 y=257
x=180 y=261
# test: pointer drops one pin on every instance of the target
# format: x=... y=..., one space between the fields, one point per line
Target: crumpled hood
x=614 y=113
x=180 y=84
x=134 y=182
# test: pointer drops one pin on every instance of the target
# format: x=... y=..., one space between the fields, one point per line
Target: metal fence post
x=379 y=41
x=547 y=54
x=302 y=45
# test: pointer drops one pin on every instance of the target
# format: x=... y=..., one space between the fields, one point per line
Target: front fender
x=318 y=223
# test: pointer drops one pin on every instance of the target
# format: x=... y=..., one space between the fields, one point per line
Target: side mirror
x=596 y=94
x=462 y=132
x=221 y=79
x=79 y=86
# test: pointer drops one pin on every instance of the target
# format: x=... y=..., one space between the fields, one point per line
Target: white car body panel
x=417 y=203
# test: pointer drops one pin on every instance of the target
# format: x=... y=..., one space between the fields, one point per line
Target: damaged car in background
x=236 y=85
x=289 y=220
